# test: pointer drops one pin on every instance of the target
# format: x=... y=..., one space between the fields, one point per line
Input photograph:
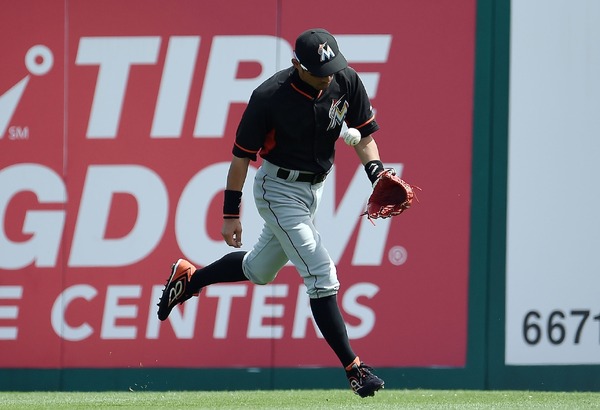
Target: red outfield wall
x=116 y=125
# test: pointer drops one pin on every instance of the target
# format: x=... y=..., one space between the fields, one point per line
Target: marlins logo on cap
x=317 y=50
x=325 y=52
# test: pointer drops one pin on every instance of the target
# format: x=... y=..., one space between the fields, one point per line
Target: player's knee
x=259 y=276
x=258 y=280
x=262 y=280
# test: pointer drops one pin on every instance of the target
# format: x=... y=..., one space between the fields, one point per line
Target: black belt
x=303 y=176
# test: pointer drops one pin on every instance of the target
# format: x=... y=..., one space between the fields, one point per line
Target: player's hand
x=232 y=232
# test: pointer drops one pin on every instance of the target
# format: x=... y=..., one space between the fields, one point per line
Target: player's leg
x=186 y=281
x=227 y=269
x=304 y=247
x=329 y=320
x=262 y=264
x=318 y=272
x=288 y=209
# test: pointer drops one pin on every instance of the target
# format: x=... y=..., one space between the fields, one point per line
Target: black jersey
x=292 y=125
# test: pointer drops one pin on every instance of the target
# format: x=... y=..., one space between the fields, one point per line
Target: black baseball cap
x=317 y=50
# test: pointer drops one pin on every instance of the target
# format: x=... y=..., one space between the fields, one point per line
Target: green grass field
x=302 y=399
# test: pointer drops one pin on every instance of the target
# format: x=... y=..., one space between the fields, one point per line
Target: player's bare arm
x=232 y=227
x=368 y=153
x=238 y=169
x=367 y=150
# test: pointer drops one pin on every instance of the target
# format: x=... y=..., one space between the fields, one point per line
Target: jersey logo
x=325 y=52
x=337 y=112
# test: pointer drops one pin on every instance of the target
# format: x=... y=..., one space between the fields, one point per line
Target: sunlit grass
x=302 y=399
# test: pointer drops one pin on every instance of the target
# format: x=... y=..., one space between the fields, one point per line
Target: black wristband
x=373 y=169
x=231 y=204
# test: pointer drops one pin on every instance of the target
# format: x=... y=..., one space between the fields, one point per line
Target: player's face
x=318 y=83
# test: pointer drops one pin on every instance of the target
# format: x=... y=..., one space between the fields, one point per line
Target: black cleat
x=362 y=381
x=176 y=288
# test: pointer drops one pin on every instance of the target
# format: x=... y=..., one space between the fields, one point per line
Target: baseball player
x=292 y=121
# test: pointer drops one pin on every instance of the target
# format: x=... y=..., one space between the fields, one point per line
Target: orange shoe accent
x=180 y=277
x=355 y=362
x=175 y=291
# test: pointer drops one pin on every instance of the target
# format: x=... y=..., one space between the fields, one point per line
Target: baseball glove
x=390 y=197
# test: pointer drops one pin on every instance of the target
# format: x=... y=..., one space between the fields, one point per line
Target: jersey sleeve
x=360 y=112
x=252 y=129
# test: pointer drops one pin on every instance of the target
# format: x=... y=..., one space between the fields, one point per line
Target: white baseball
x=352 y=136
